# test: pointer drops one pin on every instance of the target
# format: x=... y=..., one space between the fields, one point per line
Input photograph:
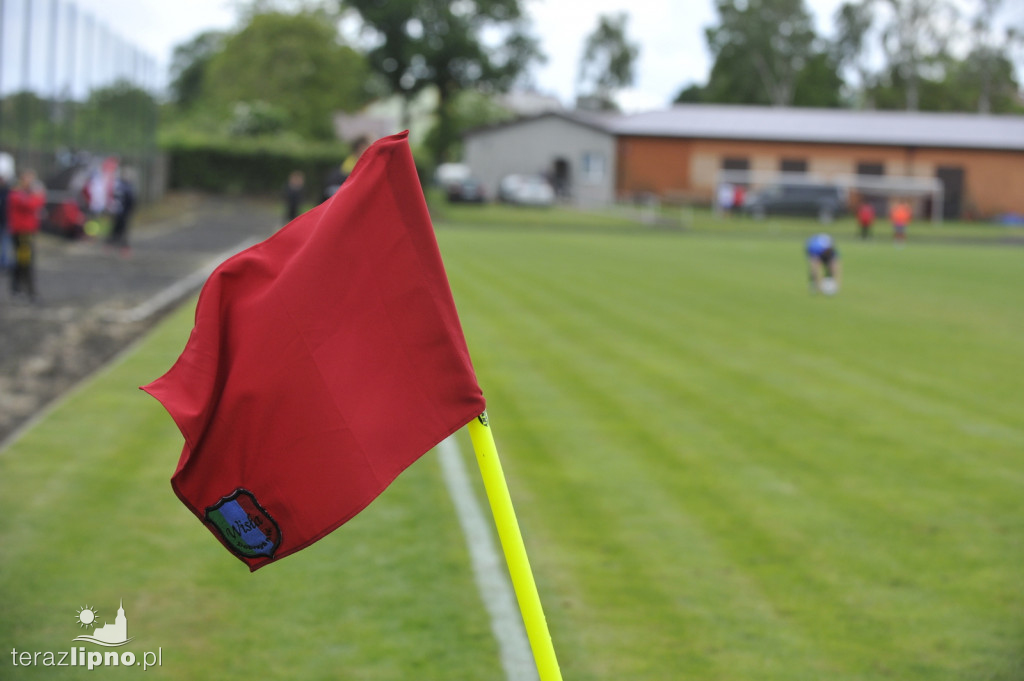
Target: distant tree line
x=926 y=55
x=284 y=72
x=120 y=117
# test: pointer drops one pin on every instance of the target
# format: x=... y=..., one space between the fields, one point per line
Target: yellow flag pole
x=514 y=549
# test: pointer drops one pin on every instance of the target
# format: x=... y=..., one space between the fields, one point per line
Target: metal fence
x=73 y=91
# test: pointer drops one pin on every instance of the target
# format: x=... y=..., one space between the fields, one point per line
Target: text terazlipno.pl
x=79 y=657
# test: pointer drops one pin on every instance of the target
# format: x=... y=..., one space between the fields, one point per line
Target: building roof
x=826 y=126
x=594 y=120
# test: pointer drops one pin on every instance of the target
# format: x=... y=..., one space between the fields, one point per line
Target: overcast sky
x=670 y=34
x=673 y=51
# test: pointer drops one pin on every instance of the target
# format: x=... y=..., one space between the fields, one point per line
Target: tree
x=986 y=77
x=733 y=81
x=849 y=49
x=759 y=49
x=189 y=65
x=291 y=65
x=120 y=117
x=470 y=109
x=988 y=66
x=917 y=39
x=694 y=93
x=608 y=62
x=26 y=118
x=818 y=83
x=421 y=43
x=914 y=37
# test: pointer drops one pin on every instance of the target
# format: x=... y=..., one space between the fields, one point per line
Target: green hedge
x=260 y=167
x=250 y=168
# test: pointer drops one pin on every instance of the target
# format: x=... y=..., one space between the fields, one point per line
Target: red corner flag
x=324 y=361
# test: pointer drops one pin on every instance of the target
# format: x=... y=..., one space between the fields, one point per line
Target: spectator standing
x=725 y=198
x=23 y=205
x=5 y=238
x=865 y=218
x=293 y=195
x=338 y=175
x=359 y=145
x=122 y=206
x=900 y=215
x=739 y=195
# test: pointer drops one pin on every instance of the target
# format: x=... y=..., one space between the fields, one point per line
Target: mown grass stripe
x=717 y=476
x=612 y=525
x=567 y=297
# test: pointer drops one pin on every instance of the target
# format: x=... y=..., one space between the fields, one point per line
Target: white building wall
x=534 y=146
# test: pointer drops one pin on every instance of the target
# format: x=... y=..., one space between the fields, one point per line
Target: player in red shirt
x=865 y=217
x=23 y=205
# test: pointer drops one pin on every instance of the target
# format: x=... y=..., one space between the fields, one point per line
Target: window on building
x=793 y=165
x=593 y=166
x=735 y=163
x=739 y=168
x=871 y=169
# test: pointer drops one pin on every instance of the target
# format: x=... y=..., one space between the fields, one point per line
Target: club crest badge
x=246 y=527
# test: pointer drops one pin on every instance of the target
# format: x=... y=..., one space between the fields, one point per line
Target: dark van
x=823 y=201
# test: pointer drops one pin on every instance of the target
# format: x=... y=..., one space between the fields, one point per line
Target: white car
x=451 y=173
x=526 y=190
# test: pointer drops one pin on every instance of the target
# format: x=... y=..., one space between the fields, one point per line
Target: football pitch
x=718 y=476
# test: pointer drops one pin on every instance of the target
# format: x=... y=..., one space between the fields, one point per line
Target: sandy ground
x=88 y=292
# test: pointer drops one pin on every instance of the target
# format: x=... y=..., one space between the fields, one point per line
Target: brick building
x=682 y=150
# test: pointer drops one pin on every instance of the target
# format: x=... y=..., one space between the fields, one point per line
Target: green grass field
x=718 y=476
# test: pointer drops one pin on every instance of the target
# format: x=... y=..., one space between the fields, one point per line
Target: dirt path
x=85 y=289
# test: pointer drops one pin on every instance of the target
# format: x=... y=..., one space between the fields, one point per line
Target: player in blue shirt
x=824 y=268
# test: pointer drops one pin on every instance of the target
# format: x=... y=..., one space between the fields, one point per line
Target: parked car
x=466 y=191
x=824 y=201
x=65 y=201
x=526 y=190
x=451 y=173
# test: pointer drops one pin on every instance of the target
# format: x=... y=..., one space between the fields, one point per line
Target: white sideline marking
x=489 y=570
x=180 y=288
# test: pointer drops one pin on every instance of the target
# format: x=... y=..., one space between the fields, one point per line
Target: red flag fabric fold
x=323 y=362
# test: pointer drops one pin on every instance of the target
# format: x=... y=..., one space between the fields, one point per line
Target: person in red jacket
x=865 y=217
x=23 y=205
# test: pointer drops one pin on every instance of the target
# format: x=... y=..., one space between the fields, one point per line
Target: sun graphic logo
x=110 y=634
x=87 y=616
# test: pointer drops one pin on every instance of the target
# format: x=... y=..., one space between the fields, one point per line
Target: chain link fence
x=73 y=92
